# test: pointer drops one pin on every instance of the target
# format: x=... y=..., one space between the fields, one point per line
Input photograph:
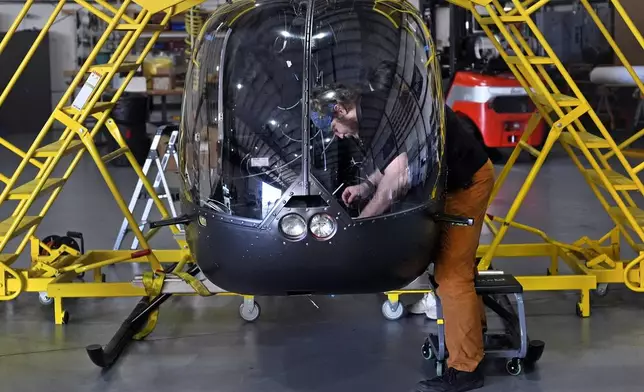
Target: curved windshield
x=242 y=118
x=344 y=95
x=376 y=106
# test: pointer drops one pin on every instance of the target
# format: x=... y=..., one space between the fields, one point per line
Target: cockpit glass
x=344 y=93
x=375 y=106
x=246 y=97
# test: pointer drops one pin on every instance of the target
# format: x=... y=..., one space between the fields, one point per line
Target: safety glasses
x=323 y=118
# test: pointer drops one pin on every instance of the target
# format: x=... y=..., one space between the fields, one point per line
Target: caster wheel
x=65 y=317
x=602 y=290
x=44 y=299
x=250 y=315
x=392 y=312
x=427 y=351
x=440 y=368
x=514 y=367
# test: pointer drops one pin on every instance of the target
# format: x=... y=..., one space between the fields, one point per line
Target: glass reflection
x=374 y=104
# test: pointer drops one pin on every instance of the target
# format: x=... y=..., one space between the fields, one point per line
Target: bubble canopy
x=280 y=95
x=314 y=114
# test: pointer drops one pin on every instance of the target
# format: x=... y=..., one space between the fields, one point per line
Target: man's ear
x=339 y=110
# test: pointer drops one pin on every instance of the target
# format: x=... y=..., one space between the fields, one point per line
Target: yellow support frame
x=592 y=262
x=54 y=270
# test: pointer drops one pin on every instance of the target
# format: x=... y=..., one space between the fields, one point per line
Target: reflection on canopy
x=246 y=116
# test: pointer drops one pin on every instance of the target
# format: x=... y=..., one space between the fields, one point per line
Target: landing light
x=322 y=226
x=293 y=226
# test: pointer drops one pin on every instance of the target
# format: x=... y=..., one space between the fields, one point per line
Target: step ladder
x=611 y=176
x=132 y=18
x=161 y=164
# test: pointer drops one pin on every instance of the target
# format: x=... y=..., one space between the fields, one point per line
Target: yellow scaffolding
x=592 y=261
x=607 y=169
x=53 y=270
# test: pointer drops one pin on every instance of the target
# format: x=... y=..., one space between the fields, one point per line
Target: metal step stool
x=495 y=288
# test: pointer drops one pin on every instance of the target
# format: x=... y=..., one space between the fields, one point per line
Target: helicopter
x=264 y=173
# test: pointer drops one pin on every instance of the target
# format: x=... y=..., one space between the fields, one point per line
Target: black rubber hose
x=106 y=357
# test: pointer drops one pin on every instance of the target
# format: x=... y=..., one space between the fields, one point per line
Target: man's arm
x=390 y=187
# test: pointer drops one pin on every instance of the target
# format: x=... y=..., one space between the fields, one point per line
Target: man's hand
x=354 y=192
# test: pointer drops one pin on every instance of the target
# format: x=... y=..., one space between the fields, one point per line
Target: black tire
x=535 y=351
x=514 y=367
x=427 y=351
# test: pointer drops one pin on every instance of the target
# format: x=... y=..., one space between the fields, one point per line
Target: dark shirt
x=465 y=154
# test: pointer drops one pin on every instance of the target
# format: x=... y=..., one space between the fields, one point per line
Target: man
x=470 y=180
x=339 y=108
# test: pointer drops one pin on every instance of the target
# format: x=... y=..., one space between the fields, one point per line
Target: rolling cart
x=512 y=344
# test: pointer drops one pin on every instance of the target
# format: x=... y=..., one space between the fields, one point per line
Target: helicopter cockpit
x=312 y=147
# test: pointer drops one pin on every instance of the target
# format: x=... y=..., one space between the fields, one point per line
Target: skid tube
x=105 y=357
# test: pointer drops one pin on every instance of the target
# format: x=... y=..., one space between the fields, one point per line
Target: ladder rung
x=618 y=181
x=561 y=100
x=8 y=258
x=504 y=19
x=531 y=59
x=26 y=223
x=50 y=150
x=114 y=154
x=635 y=153
x=619 y=215
x=98 y=108
x=25 y=190
x=105 y=68
x=67 y=120
x=131 y=27
x=589 y=140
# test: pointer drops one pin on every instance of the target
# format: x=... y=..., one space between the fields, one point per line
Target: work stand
x=612 y=170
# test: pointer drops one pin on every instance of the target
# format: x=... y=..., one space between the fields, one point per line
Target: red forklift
x=482 y=90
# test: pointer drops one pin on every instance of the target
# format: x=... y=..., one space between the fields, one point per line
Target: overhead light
x=273 y=122
x=327 y=140
x=239 y=86
x=285 y=34
x=319 y=35
x=288 y=63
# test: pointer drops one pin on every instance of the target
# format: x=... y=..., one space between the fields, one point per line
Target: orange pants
x=455 y=270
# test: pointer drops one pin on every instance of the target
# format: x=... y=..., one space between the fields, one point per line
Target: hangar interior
x=53 y=309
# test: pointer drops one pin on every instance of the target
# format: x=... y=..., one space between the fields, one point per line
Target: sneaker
x=452 y=381
x=426 y=306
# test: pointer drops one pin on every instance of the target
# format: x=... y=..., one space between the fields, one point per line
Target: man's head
x=336 y=107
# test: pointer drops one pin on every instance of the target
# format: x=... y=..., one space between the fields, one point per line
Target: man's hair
x=334 y=93
x=377 y=80
x=381 y=78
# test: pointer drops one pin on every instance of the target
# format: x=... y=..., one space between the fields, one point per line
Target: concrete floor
x=201 y=344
